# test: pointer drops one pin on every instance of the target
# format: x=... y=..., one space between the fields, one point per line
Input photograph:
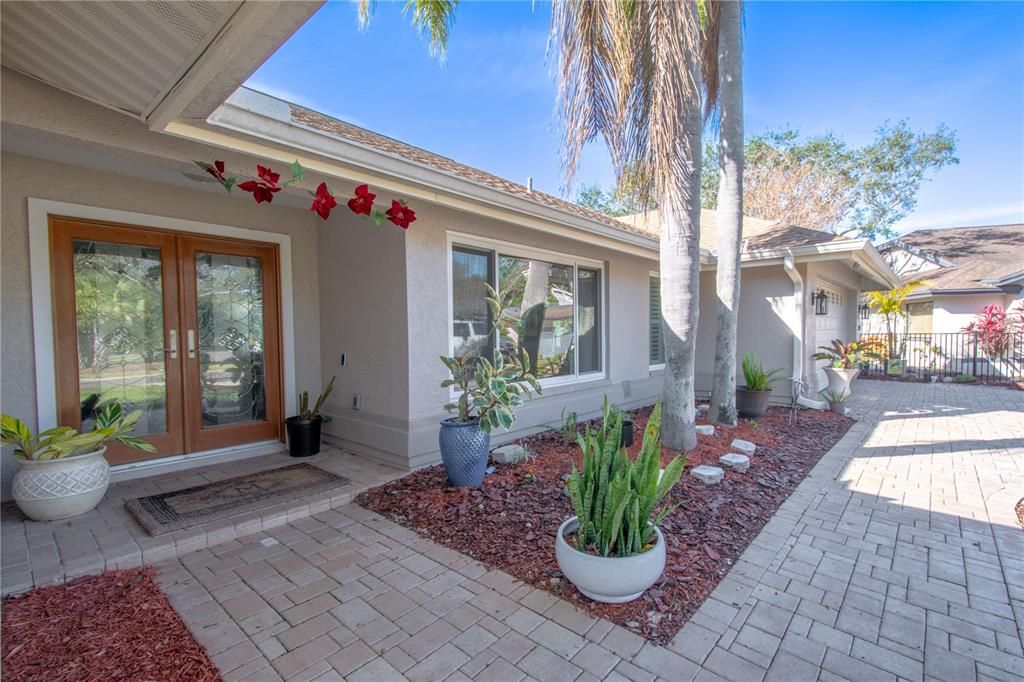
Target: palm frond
x=435 y=18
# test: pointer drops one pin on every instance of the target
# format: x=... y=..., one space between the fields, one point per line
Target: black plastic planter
x=303 y=436
x=751 y=404
x=627 y=433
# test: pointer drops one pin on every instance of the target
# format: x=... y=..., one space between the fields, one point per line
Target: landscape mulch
x=114 y=626
x=512 y=520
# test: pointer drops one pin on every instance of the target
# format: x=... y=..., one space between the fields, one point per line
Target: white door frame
x=39 y=211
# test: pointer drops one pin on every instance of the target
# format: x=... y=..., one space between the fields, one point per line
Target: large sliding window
x=553 y=305
x=656 y=347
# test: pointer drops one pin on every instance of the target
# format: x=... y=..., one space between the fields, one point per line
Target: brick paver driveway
x=898 y=557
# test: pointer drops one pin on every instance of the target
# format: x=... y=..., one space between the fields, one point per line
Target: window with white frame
x=656 y=340
x=554 y=301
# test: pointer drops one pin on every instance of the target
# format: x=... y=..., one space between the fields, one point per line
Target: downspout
x=789 y=263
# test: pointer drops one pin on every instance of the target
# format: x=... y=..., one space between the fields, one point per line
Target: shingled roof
x=981 y=256
x=347 y=131
x=757 y=234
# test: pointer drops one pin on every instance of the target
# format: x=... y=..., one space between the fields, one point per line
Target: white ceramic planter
x=612 y=580
x=839 y=380
x=52 y=489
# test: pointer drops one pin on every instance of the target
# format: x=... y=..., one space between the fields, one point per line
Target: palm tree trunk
x=730 y=210
x=679 y=205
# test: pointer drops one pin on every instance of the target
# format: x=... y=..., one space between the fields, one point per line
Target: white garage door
x=828 y=327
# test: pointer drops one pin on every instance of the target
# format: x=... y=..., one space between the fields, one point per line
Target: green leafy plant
x=964 y=379
x=615 y=497
x=111 y=424
x=491 y=390
x=757 y=378
x=834 y=396
x=842 y=355
x=889 y=304
x=307 y=414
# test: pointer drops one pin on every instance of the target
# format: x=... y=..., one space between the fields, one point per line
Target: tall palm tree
x=630 y=72
x=727 y=49
x=432 y=17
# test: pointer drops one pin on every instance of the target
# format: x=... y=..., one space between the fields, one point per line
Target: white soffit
x=124 y=55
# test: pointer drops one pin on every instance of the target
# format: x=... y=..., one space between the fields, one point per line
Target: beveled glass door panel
x=230 y=303
x=116 y=313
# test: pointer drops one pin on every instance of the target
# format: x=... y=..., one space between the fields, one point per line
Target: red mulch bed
x=511 y=521
x=114 y=626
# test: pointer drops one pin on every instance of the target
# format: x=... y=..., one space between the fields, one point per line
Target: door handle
x=191 y=343
x=173 y=343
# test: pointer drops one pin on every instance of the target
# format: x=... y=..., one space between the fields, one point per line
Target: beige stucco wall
x=24 y=177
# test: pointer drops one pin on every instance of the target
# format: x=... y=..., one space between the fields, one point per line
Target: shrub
x=615 y=497
x=964 y=379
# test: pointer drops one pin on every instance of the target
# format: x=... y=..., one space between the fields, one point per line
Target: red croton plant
x=995 y=328
x=267 y=183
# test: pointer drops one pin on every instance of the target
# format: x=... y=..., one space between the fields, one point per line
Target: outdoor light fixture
x=865 y=311
x=820 y=302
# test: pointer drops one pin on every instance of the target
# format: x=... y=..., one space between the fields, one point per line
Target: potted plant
x=612 y=549
x=844 y=360
x=63 y=473
x=836 y=401
x=304 y=428
x=489 y=391
x=752 y=398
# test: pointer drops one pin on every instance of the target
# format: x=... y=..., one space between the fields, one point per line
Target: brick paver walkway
x=898 y=557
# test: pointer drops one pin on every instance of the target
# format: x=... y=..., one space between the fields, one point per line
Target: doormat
x=201 y=504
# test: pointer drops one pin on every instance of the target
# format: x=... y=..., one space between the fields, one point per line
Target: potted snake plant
x=752 y=398
x=62 y=472
x=612 y=549
x=489 y=391
x=304 y=428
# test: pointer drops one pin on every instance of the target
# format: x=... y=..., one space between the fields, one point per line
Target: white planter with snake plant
x=63 y=473
x=613 y=550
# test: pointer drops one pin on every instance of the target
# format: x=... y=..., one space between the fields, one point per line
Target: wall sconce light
x=865 y=311
x=820 y=302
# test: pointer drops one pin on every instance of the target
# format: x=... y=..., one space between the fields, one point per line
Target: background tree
x=727 y=49
x=823 y=183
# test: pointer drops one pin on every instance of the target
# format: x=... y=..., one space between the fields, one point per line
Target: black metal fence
x=950 y=355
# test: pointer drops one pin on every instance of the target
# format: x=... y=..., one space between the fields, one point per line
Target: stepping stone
x=735 y=462
x=705 y=429
x=744 y=446
x=708 y=474
x=509 y=454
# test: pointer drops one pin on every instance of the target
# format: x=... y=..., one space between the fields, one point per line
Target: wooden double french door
x=184 y=327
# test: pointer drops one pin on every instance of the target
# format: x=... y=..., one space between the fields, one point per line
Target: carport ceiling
x=124 y=55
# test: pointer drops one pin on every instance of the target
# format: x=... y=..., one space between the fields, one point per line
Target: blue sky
x=817 y=67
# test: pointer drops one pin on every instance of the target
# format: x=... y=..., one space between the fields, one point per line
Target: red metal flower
x=362 y=202
x=216 y=170
x=400 y=214
x=264 y=188
x=323 y=201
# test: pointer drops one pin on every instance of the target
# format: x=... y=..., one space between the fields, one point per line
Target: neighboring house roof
x=758 y=234
x=974 y=259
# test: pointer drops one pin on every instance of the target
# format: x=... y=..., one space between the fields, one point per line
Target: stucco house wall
x=24 y=177
x=629 y=381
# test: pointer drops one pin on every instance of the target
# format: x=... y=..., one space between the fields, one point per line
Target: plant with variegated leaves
x=491 y=390
x=617 y=498
x=111 y=424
